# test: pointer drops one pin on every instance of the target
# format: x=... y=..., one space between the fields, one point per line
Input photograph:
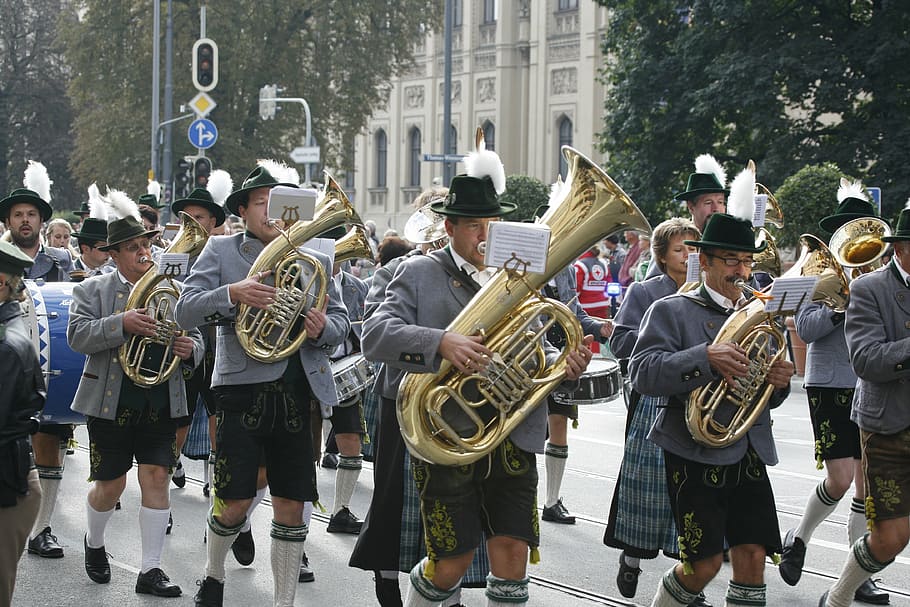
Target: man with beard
x=23 y=212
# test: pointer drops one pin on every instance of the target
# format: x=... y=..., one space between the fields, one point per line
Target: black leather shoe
x=244 y=548
x=387 y=592
x=330 y=460
x=306 y=574
x=96 y=564
x=206 y=491
x=823 y=602
x=557 y=513
x=700 y=601
x=45 y=545
x=156 y=582
x=792 y=558
x=344 y=521
x=869 y=592
x=179 y=476
x=210 y=593
x=627 y=578
x=170 y=524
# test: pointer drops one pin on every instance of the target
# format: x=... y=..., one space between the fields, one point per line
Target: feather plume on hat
x=154 y=188
x=37 y=180
x=485 y=163
x=706 y=163
x=279 y=170
x=97 y=206
x=741 y=202
x=850 y=190
x=121 y=206
x=220 y=186
x=559 y=191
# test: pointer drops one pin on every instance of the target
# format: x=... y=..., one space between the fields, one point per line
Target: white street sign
x=305 y=154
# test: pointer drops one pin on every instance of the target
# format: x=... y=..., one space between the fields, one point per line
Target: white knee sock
x=856 y=520
x=819 y=506
x=859 y=566
x=555 y=461
x=745 y=594
x=287 y=550
x=422 y=592
x=501 y=592
x=217 y=544
x=453 y=600
x=257 y=499
x=97 y=521
x=308 y=508
x=346 y=480
x=670 y=593
x=50 y=478
x=153 y=528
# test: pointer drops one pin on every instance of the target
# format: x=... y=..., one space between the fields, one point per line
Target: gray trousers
x=15 y=524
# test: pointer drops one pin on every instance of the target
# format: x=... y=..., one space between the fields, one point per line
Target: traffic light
x=202 y=168
x=267 y=105
x=182 y=177
x=205 y=64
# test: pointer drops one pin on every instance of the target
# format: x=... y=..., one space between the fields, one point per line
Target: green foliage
x=526 y=192
x=808 y=195
x=785 y=83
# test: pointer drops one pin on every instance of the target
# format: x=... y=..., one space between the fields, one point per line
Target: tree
x=526 y=192
x=785 y=83
x=324 y=50
x=35 y=113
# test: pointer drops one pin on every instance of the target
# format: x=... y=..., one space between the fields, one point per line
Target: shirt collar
x=900 y=270
x=722 y=301
x=124 y=280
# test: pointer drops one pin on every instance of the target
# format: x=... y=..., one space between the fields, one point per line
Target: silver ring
x=259 y=275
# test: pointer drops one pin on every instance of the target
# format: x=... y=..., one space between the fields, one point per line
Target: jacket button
x=119 y=295
x=109 y=393
x=710 y=325
x=105 y=410
x=697 y=373
x=115 y=359
x=322 y=369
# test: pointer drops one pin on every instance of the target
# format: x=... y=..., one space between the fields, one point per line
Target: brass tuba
x=858 y=244
x=149 y=361
x=719 y=414
x=453 y=419
x=353 y=245
x=276 y=332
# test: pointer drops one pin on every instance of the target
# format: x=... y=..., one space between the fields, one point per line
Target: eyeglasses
x=732 y=262
x=136 y=246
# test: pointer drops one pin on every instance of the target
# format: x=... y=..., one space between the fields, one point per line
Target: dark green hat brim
x=27 y=196
x=723 y=231
x=690 y=194
x=258 y=178
x=710 y=244
x=201 y=198
x=472 y=197
x=902 y=230
x=849 y=209
x=93 y=230
x=12 y=260
x=121 y=230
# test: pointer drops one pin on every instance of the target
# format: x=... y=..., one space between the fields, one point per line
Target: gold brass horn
x=453 y=419
x=773 y=213
x=353 y=245
x=858 y=244
x=769 y=259
x=149 y=361
x=276 y=332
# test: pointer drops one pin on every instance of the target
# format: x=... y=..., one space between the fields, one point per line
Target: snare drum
x=600 y=383
x=47 y=309
x=352 y=375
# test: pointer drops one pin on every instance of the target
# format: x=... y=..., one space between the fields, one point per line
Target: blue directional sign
x=203 y=133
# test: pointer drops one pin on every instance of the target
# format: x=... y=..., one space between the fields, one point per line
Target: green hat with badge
x=709 y=178
x=852 y=203
x=734 y=231
x=37 y=192
x=13 y=261
x=268 y=174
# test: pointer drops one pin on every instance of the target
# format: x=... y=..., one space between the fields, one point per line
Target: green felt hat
x=902 y=230
x=121 y=230
x=701 y=183
x=27 y=196
x=93 y=230
x=848 y=210
x=12 y=260
x=200 y=197
x=472 y=197
x=725 y=231
x=258 y=178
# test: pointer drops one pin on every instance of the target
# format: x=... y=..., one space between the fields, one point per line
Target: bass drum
x=47 y=311
x=600 y=383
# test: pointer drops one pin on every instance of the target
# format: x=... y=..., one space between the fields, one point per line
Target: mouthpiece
x=145 y=259
x=743 y=286
x=482 y=247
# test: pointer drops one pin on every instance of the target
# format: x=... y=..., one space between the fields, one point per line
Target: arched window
x=489 y=135
x=489 y=11
x=382 y=154
x=565 y=138
x=414 y=158
x=457 y=13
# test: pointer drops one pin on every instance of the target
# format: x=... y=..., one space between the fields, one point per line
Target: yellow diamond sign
x=202 y=104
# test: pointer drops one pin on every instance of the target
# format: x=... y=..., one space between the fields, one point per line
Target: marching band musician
x=830 y=383
x=124 y=420
x=714 y=492
x=21 y=400
x=641 y=519
x=262 y=408
x=23 y=212
x=495 y=496
x=876 y=332
x=92 y=235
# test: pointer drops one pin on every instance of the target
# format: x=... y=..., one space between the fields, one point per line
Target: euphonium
x=507 y=311
x=276 y=332
x=149 y=361
x=353 y=245
x=719 y=414
x=858 y=244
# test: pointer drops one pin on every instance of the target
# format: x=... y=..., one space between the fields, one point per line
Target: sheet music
x=693 y=268
x=291 y=204
x=173 y=265
x=789 y=294
x=508 y=240
x=761 y=209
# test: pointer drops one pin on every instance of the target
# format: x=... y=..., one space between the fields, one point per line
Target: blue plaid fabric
x=645 y=519
x=371 y=403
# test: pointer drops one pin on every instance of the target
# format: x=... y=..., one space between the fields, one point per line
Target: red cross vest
x=591 y=277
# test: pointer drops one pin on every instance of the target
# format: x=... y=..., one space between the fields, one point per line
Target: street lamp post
x=267 y=101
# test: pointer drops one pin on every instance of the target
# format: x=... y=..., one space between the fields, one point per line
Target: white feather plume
x=97 y=206
x=220 y=186
x=559 y=191
x=706 y=163
x=486 y=163
x=291 y=176
x=741 y=202
x=121 y=205
x=907 y=204
x=276 y=169
x=154 y=188
x=850 y=190
x=37 y=180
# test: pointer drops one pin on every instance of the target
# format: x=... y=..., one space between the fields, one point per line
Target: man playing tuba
x=496 y=495
x=125 y=420
x=262 y=408
x=715 y=492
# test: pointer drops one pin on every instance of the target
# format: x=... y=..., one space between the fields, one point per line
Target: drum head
x=600 y=383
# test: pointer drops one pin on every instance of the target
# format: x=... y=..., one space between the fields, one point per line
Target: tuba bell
x=452 y=418
x=858 y=244
x=276 y=332
x=149 y=361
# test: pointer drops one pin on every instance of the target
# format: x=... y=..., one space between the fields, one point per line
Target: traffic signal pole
x=306 y=109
